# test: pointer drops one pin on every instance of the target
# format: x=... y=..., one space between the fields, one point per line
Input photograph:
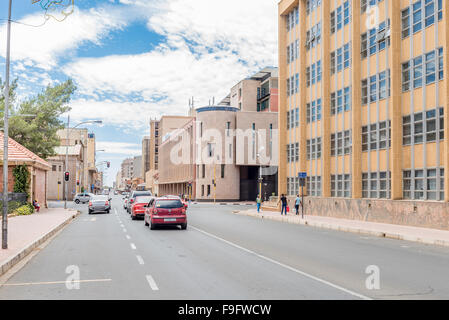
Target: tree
x=38 y=133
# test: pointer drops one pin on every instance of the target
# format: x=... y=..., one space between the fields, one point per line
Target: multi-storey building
x=146 y=146
x=364 y=104
x=151 y=176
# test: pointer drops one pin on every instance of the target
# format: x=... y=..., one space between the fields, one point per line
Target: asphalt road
x=225 y=256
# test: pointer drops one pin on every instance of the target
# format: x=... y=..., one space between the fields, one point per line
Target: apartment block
x=363 y=107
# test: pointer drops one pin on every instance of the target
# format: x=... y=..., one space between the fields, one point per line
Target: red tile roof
x=17 y=152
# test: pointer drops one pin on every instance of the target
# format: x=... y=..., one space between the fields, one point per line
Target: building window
x=340 y=17
x=292 y=18
x=340 y=59
x=376 y=185
x=313 y=111
x=376 y=136
x=341 y=186
x=311 y=5
x=202 y=190
x=204 y=171
x=222 y=171
x=423 y=184
x=414 y=131
x=314 y=148
x=418 y=18
x=422 y=70
x=341 y=143
x=313 y=73
x=313 y=36
x=375 y=39
x=208 y=190
x=228 y=128
x=313 y=184
x=53 y=168
x=341 y=100
x=376 y=87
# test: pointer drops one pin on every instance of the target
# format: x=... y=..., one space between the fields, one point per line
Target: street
x=224 y=256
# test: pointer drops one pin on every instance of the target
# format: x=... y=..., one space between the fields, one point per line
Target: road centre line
x=152 y=283
x=285 y=266
x=140 y=259
x=133 y=246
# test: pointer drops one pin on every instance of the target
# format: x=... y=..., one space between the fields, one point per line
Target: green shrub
x=24 y=210
x=12 y=206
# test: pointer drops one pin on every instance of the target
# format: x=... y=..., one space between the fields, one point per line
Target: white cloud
x=112 y=147
x=210 y=46
x=42 y=47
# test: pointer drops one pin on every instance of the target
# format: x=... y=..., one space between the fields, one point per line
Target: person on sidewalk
x=297 y=204
x=283 y=200
x=36 y=205
x=258 y=201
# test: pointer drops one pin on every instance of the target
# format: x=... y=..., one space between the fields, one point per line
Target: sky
x=136 y=60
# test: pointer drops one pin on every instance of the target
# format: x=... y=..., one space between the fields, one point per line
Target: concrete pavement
x=225 y=256
x=422 y=235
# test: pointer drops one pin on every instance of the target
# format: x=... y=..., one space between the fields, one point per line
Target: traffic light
x=77 y=182
x=66 y=176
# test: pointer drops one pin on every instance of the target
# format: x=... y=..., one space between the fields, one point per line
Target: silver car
x=83 y=197
x=100 y=204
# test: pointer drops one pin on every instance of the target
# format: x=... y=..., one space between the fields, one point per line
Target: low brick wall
x=425 y=214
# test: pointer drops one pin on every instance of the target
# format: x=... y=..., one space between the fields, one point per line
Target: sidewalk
x=25 y=233
x=422 y=235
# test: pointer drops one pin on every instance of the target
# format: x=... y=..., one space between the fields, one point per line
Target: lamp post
x=6 y=136
x=67 y=153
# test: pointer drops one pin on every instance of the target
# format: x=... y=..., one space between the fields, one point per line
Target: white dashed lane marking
x=152 y=283
x=140 y=259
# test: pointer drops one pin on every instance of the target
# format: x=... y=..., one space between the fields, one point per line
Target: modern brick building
x=364 y=106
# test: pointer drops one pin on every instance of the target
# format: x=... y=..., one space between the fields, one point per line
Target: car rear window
x=141 y=199
x=169 y=204
x=140 y=194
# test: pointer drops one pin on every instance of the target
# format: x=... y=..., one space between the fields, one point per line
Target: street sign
x=302 y=175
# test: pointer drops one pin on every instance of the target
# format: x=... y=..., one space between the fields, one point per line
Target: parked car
x=165 y=211
x=83 y=197
x=100 y=203
x=138 y=207
x=133 y=196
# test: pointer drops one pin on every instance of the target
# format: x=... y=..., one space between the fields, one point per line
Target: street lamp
x=6 y=136
x=260 y=171
x=67 y=152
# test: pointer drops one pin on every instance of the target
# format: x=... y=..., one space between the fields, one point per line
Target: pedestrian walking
x=297 y=204
x=258 y=201
x=284 y=203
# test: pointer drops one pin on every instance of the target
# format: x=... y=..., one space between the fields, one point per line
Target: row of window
x=419 y=15
x=293 y=152
x=293 y=119
x=376 y=185
x=313 y=73
x=341 y=186
x=341 y=100
x=293 y=51
x=293 y=85
x=314 y=111
x=423 y=70
x=423 y=184
x=292 y=19
x=375 y=40
x=376 y=87
x=311 y=5
x=313 y=184
x=341 y=58
x=313 y=37
x=314 y=148
x=376 y=136
x=365 y=3
x=341 y=143
x=340 y=17
x=423 y=127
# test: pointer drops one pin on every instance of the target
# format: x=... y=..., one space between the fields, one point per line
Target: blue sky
x=133 y=60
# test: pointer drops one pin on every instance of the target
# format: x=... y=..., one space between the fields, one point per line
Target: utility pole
x=66 y=183
x=6 y=136
x=215 y=181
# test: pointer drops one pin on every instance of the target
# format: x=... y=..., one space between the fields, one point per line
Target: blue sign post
x=302 y=176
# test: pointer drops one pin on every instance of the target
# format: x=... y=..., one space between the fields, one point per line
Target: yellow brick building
x=364 y=98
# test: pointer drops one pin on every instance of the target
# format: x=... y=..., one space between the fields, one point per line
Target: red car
x=138 y=207
x=166 y=211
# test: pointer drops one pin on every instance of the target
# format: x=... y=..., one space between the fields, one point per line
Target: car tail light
x=107 y=203
x=131 y=201
x=90 y=204
x=183 y=211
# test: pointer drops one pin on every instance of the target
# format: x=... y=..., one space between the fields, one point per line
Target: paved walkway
x=423 y=235
x=27 y=232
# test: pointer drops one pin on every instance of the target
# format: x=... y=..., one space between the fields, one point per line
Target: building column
x=396 y=100
x=302 y=90
x=446 y=97
x=356 y=102
x=325 y=98
x=282 y=118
